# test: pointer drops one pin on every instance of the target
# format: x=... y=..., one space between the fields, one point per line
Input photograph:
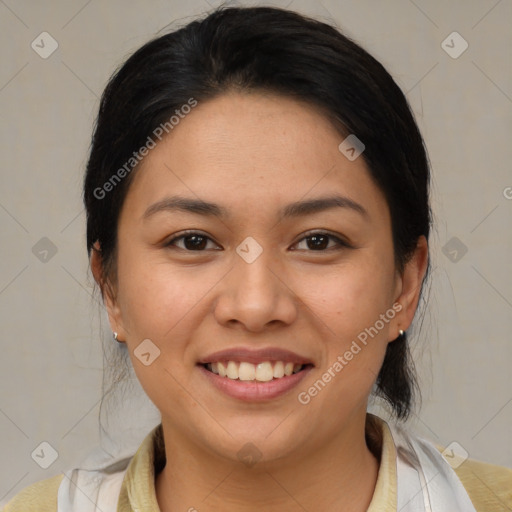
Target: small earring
x=114 y=335
x=400 y=332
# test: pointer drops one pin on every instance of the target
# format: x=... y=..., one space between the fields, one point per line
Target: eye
x=319 y=241
x=192 y=240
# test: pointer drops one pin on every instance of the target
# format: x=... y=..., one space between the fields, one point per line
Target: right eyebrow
x=186 y=204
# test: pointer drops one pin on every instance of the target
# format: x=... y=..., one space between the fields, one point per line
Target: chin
x=252 y=439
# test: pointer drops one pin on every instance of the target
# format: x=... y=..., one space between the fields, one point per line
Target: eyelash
x=341 y=243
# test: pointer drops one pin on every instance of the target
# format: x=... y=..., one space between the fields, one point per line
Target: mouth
x=254 y=375
x=264 y=371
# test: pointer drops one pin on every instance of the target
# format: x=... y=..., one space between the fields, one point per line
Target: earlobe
x=412 y=280
x=113 y=310
x=114 y=317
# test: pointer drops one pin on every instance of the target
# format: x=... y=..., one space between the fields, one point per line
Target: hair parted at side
x=277 y=51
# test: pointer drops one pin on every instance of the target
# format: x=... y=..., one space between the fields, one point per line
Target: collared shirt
x=488 y=486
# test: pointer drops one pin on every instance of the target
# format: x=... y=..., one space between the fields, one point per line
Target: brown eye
x=192 y=241
x=320 y=242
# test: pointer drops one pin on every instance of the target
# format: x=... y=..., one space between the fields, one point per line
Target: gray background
x=51 y=363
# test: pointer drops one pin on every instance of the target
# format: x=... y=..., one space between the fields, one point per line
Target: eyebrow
x=296 y=209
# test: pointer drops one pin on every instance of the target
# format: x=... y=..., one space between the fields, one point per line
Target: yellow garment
x=488 y=486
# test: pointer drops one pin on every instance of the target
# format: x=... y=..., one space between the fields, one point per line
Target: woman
x=258 y=218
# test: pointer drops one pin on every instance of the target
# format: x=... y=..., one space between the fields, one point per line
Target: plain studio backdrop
x=452 y=59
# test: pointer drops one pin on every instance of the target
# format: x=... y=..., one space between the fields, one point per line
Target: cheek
x=350 y=298
x=349 y=305
x=162 y=301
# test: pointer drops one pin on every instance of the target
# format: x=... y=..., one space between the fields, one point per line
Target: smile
x=254 y=375
x=261 y=372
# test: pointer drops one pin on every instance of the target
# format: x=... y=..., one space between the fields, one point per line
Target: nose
x=256 y=296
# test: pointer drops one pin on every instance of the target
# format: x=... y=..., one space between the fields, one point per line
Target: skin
x=253 y=154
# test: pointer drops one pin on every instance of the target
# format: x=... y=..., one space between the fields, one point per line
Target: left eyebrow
x=302 y=208
x=297 y=209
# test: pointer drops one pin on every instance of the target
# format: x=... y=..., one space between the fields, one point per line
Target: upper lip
x=255 y=356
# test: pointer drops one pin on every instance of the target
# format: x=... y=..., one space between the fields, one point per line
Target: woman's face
x=252 y=285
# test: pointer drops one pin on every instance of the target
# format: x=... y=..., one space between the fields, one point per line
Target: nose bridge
x=254 y=273
x=254 y=294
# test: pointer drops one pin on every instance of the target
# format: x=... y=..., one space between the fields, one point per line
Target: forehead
x=252 y=150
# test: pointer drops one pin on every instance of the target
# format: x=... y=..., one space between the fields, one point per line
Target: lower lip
x=255 y=391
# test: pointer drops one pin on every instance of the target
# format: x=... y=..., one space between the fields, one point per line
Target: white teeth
x=279 y=370
x=246 y=371
x=232 y=370
x=262 y=372
x=222 y=369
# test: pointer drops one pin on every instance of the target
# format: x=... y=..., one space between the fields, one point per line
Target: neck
x=341 y=476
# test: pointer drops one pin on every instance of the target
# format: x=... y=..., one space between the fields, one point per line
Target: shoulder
x=40 y=496
x=488 y=486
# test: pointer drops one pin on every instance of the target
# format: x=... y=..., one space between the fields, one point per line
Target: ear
x=107 y=293
x=409 y=285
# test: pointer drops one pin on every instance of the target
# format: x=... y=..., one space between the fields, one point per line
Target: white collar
x=425 y=480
